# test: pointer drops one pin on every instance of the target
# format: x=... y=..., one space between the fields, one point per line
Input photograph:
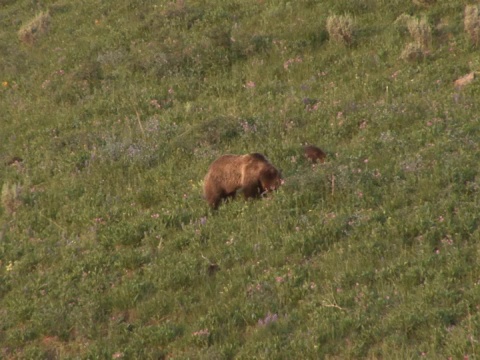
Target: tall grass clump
x=341 y=28
x=421 y=33
x=35 y=28
x=10 y=198
x=471 y=23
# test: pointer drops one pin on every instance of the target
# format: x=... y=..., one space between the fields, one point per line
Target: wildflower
x=155 y=216
x=5 y=83
x=313 y=107
x=331 y=215
x=270 y=318
x=203 y=332
x=287 y=63
x=249 y=84
x=155 y=103
x=279 y=279
x=10 y=266
x=447 y=240
x=247 y=127
x=45 y=84
x=118 y=355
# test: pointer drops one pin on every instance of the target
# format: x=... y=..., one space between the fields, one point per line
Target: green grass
x=107 y=249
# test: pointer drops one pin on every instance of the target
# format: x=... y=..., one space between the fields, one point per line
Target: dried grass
x=471 y=23
x=35 y=28
x=421 y=33
x=413 y=52
x=341 y=28
x=10 y=198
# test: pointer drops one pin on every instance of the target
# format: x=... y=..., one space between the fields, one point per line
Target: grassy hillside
x=112 y=112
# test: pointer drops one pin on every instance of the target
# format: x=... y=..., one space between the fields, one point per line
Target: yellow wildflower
x=9 y=266
x=5 y=83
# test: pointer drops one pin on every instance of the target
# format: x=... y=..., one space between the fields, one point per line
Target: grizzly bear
x=314 y=153
x=251 y=173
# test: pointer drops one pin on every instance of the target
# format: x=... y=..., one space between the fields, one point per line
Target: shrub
x=35 y=28
x=420 y=31
x=471 y=23
x=341 y=28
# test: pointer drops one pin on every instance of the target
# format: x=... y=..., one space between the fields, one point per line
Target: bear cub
x=314 y=154
x=251 y=173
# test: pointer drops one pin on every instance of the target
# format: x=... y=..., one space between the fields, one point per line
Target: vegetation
x=111 y=118
x=341 y=28
x=472 y=23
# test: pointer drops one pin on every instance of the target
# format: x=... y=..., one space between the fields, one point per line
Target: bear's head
x=270 y=179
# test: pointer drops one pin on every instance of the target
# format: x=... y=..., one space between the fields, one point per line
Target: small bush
x=420 y=31
x=35 y=28
x=341 y=28
x=472 y=23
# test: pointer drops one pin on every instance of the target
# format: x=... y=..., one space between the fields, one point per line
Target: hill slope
x=113 y=111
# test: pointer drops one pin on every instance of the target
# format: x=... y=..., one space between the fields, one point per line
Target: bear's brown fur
x=314 y=153
x=251 y=173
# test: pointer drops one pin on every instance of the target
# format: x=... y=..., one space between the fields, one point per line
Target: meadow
x=112 y=112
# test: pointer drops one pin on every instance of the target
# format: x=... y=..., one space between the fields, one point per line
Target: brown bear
x=314 y=153
x=251 y=173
